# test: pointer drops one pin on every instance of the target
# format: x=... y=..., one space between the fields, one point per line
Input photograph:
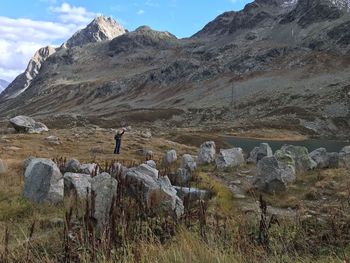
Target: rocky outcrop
x=310 y=12
x=229 y=158
x=100 y=29
x=27 y=125
x=43 y=182
x=206 y=153
x=142 y=38
x=275 y=173
x=260 y=152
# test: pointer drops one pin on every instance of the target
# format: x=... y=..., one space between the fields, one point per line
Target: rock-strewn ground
x=269 y=66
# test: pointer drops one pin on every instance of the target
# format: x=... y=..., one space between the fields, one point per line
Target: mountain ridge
x=101 y=28
x=272 y=66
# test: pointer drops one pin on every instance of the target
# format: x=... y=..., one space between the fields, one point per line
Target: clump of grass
x=312 y=194
x=223 y=197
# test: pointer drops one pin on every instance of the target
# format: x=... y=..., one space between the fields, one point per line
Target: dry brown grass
x=294 y=240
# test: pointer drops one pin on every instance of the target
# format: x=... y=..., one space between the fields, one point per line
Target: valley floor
x=311 y=221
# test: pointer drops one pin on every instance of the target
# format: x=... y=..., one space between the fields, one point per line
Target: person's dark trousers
x=117 y=146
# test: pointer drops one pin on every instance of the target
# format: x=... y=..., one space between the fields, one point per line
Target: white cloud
x=141 y=12
x=72 y=14
x=151 y=3
x=21 y=38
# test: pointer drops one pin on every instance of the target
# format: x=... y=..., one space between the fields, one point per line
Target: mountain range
x=276 y=63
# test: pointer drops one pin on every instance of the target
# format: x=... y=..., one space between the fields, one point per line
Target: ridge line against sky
x=26 y=26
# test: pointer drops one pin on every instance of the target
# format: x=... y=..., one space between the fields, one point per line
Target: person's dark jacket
x=118 y=136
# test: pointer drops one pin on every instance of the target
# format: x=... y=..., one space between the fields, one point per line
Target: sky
x=27 y=25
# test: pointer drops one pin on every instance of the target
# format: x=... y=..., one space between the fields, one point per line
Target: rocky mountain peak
x=100 y=29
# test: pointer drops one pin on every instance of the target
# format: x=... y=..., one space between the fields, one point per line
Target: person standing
x=118 y=140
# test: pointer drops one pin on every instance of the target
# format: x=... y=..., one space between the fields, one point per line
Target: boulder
x=79 y=183
x=145 y=169
x=53 y=140
x=300 y=154
x=260 y=152
x=181 y=177
x=152 y=164
x=105 y=188
x=188 y=163
x=3 y=167
x=148 y=154
x=344 y=157
x=72 y=166
x=321 y=157
x=146 y=133
x=117 y=170
x=274 y=174
x=206 y=153
x=27 y=125
x=156 y=194
x=89 y=168
x=27 y=162
x=43 y=182
x=229 y=158
x=333 y=160
x=192 y=194
x=170 y=157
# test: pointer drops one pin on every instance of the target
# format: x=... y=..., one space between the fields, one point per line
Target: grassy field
x=225 y=229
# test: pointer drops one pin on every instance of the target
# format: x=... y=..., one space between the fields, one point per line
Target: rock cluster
x=275 y=173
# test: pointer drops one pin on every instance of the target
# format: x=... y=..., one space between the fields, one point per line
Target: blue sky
x=26 y=25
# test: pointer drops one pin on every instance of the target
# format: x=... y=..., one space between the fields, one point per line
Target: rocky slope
x=3 y=85
x=276 y=63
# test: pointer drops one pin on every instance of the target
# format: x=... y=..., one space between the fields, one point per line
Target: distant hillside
x=276 y=63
